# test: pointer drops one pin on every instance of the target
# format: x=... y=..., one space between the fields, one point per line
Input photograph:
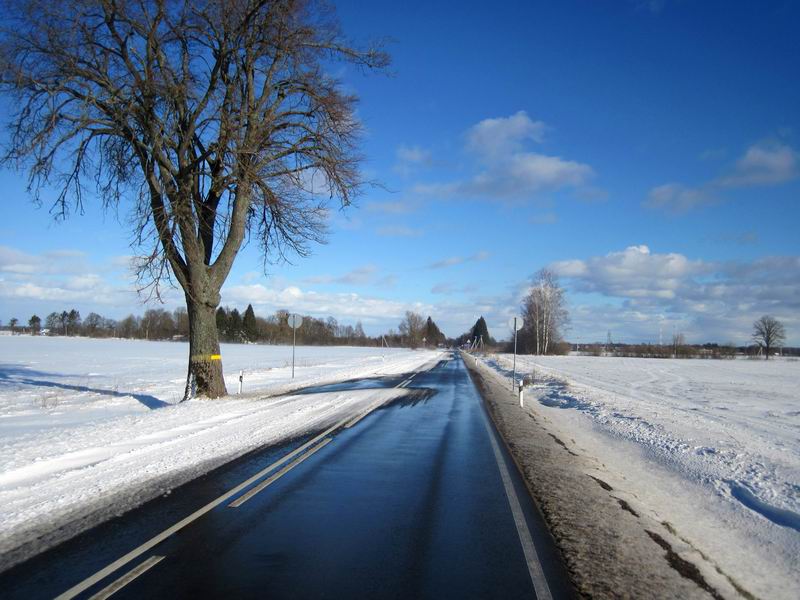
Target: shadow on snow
x=16 y=375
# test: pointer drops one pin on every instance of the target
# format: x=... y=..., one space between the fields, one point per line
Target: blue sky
x=647 y=152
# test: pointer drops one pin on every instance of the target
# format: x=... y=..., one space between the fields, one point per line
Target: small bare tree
x=768 y=333
x=678 y=341
x=215 y=119
x=544 y=313
x=412 y=328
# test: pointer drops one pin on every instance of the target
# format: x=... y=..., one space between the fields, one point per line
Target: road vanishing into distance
x=417 y=499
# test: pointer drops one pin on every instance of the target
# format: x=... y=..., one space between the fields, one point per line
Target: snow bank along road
x=89 y=428
x=710 y=447
x=416 y=498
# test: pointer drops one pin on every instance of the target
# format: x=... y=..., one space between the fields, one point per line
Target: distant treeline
x=682 y=350
x=232 y=326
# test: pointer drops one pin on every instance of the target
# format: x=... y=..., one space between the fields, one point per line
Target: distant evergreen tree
x=234 y=325
x=481 y=331
x=249 y=324
x=222 y=322
x=35 y=323
x=73 y=321
x=433 y=334
x=359 y=332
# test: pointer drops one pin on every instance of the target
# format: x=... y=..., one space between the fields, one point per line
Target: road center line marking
x=273 y=478
x=531 y=557
x=120 y=583
x=370 y=408
x=154 y=541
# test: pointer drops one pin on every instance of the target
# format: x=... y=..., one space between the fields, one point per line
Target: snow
x=710 y=446
x=92 y=428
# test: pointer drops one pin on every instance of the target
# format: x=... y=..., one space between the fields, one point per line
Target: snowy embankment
x=710 y=447
x=92 y=428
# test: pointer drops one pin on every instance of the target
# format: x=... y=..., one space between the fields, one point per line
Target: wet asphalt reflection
x=409 y=503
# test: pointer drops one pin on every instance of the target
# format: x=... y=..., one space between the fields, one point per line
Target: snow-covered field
x=91 y=428
x=712 y=447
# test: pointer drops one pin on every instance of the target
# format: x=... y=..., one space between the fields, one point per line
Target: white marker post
x=241 y=379
x=295 y=321
x=516 y=324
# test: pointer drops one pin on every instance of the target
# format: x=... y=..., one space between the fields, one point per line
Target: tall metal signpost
x=515 y=323
x=295 y=321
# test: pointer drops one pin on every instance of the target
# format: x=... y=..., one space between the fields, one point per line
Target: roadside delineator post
x=295 y=321
x=521 y=401
x=515 y=323
x=241 y=380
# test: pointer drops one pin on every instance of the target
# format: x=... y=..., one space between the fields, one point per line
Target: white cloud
x=677 y=199
x=341 y=305
x=90 y=289
x=505 y=169
x=411 y=158
x=448 y=287
x=709 y=301
x=52 y=262
x=500 y=137
x=458 y=260
x=413 y=154
x=358 y=276
x=632 y=273
x=398 y=231
x=764 y=164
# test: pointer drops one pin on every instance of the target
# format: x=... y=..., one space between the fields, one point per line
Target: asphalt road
x=418 y=499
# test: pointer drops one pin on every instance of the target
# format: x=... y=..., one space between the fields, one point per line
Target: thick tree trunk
x=205 y=361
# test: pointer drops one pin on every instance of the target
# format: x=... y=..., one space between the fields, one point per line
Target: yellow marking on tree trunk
x=206 y=357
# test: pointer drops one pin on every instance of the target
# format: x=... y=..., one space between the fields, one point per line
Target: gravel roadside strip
x=609 y=549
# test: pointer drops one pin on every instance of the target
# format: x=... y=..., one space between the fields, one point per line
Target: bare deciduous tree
x=412 y=328
x=544 y=314
x=215 y=119
x=768 y=333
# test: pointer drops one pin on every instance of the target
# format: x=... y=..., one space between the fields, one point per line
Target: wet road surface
x=417 y=500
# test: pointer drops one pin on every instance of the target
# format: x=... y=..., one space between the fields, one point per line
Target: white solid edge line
x=531 y=557
x=273 y=478
x=154 y=541
x=120 y=583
